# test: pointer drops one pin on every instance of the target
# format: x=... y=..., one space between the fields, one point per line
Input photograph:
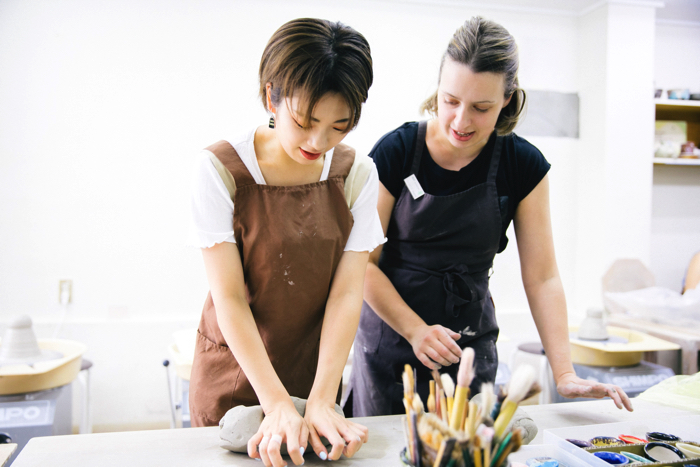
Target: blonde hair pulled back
x=486 y=46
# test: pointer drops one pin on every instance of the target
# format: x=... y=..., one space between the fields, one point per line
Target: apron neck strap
x=495 y=157
x=232 y=161
x=420 y=144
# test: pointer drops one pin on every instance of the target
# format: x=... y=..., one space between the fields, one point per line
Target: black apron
x=439 y=252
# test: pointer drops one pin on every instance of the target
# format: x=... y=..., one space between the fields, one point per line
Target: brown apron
x=290 y=239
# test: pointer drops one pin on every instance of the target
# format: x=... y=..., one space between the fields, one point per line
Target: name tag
x=414 y=187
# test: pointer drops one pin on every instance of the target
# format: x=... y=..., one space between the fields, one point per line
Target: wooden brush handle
x=460 y=402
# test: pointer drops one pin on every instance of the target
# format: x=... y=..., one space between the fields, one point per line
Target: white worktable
x=200 y=446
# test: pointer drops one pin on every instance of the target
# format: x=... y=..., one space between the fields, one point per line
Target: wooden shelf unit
x=675 y=109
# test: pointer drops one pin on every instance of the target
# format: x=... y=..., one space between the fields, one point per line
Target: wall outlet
x=65 y=291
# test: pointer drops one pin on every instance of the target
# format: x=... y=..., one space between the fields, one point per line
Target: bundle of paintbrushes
x=455 y=432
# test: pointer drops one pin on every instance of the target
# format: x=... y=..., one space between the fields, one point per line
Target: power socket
x=65 y=291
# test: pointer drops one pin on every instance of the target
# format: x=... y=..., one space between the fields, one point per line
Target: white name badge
x=414 y=187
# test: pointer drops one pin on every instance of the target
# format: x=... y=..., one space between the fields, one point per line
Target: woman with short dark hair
x=286 y=266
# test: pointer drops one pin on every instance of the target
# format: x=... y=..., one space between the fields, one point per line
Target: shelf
x=672 y=161
x=677 y=102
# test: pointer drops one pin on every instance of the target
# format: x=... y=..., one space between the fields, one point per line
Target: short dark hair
x=313 y=57
x=486 y=46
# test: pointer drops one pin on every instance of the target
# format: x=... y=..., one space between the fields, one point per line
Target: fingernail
x=301 y=451
x=323 y=455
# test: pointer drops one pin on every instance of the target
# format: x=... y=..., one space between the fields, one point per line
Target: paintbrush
x=488 y=398
x=449 y=387
x=470 y=422
x=534 y=390
x=444 y=453
x=499 y=447
x=465 y=375
x=431 y=397
x=417 y=404
x=513 y=445
x=438 y=388
x=408 y=371
x=443 y=406
x=485 y=435
x=502 y=393
x=408 y=403
x=476 y=443
x=414 y=434
x=519 y=385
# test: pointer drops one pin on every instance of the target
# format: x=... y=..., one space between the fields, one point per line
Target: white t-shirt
x=212 y=208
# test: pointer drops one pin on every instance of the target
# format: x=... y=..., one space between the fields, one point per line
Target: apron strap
x=495 y=158
x=420 y=144
x=342 y=161
x=232 y=161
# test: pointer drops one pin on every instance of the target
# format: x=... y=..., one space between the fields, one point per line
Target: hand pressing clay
x=241 y=423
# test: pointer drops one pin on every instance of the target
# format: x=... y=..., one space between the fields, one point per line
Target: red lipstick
x=312 y=156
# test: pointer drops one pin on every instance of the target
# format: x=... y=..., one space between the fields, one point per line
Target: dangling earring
x=271 y=124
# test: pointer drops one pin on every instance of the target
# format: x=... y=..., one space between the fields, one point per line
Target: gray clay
x=241 y=423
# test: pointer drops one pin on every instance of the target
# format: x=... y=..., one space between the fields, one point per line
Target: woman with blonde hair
x=449 y=189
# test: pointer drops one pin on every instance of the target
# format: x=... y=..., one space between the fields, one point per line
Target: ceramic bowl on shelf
x=634 y=458
x=605 y=441
x=658 y=436
x=663 y=452
x=612 y=458
x=690 y=450
x=580 y=443
x=629 y=439
x=678 y=94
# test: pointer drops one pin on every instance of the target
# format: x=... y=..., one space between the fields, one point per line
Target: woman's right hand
x=435 y=346
x=282 y=424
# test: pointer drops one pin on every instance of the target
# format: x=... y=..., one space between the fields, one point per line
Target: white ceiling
x=676 y=10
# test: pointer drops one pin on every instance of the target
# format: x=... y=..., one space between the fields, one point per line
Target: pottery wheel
x=20 y=347
x=609 y=340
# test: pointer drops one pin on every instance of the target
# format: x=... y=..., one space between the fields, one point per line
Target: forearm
x=238 y=327
x=382 y=296
x=342 y=315
x=548 y=305
x=339 y=327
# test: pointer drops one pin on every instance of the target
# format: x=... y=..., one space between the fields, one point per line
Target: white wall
x=675 y=227
x=104 y=105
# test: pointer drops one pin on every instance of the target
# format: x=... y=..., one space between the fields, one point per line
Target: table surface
x=6 y=451
x=200 y=446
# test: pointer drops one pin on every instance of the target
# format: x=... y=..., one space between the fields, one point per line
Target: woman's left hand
x=571 y=386
x=346 y=437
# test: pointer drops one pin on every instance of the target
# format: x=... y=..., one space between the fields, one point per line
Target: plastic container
x=687 y=428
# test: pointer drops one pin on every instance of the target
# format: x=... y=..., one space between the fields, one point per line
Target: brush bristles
x=488 y=398
x=448 y=385
x=520 y=383
x=466 y=368
x=417 y=404
x=534 y=390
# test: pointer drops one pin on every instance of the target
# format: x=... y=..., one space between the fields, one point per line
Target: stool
x=532 y=353
x=83 y=380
